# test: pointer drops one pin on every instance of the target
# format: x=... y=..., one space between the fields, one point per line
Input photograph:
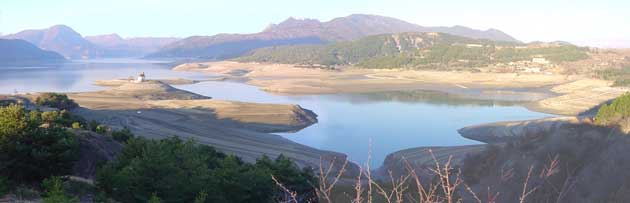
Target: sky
x=603 y=23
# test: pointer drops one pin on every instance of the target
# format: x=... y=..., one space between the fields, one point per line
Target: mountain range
x=20 y=52
x=61 y=39
x=72 y=45
x=69 y=43
x=308 y=31
x=117 y=46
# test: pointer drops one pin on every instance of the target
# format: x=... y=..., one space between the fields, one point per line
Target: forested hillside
x=415 y=50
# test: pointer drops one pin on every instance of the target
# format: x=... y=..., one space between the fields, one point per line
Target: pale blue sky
x=598 y=23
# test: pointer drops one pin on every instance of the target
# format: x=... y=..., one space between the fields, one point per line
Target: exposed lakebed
x=392 y=121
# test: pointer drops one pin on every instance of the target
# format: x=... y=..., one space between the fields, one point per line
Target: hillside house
x=540 y=60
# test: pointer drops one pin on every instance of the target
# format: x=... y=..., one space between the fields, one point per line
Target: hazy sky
x=597 y=23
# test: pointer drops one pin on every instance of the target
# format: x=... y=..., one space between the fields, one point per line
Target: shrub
x=4 y=186
x=180 y=171
x=55 y=192
x=29 y=152
x=122 y=135
x=101 y=129
x=56 y=100
x=76 y=125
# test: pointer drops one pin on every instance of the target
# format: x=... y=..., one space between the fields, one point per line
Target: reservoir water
x=392 y=121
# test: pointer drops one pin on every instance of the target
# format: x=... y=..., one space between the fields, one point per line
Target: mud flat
x=556 y=94
x=118 y=82
x=156 y=110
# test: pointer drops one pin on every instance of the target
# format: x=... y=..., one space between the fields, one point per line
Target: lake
x=391 y=121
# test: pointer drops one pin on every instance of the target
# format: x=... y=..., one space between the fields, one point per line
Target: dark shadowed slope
x=61 y=39
x=307 y=31
x=20 y=52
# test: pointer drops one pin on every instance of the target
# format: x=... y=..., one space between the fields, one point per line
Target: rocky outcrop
x=94 y=149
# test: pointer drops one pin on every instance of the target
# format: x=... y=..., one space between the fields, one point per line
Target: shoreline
x=566 y=95
x=560 y=95
x=155 y=110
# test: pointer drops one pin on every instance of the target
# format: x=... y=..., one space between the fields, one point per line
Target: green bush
x=55 y=191
x=615 y=112
x=101 y=129
x=177 y=171
x=56 y=100
x=122 y=135
x=76 y=125
x=30 y=153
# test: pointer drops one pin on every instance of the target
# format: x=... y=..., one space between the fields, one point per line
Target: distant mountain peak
x=293 y=23
x=61 y=39
x=293 y=31
x=60 y=27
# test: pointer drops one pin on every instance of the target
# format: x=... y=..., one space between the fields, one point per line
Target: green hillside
x=413 y=50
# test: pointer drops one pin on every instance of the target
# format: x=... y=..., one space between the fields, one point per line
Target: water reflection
x=392 y=120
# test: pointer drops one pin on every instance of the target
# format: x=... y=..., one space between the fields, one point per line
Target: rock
x=94 y=149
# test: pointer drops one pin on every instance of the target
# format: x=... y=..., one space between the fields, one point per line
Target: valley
x=195 y=101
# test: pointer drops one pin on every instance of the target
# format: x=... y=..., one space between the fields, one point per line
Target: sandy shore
x=556 y=94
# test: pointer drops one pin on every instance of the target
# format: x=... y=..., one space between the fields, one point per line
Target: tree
x=122 y=135
x=188 y=172
x=56 y=100
x=55 y=191
x=30 y=153
x=12 y=120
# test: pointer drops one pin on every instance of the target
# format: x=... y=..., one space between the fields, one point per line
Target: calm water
x=391 y=120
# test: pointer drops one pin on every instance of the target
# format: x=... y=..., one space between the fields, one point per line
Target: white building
x=474 y=45
x=540 y=60
x=141 y=78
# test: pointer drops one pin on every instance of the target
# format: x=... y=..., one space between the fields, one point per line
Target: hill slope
x=117 y=46
x=20 y=52
x=413 y=50
x=307 y=31
x=61 y=39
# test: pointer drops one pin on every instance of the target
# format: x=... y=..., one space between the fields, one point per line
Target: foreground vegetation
x=38 y=151
x=177 y=171
x=567 y=164
x=415 y=51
